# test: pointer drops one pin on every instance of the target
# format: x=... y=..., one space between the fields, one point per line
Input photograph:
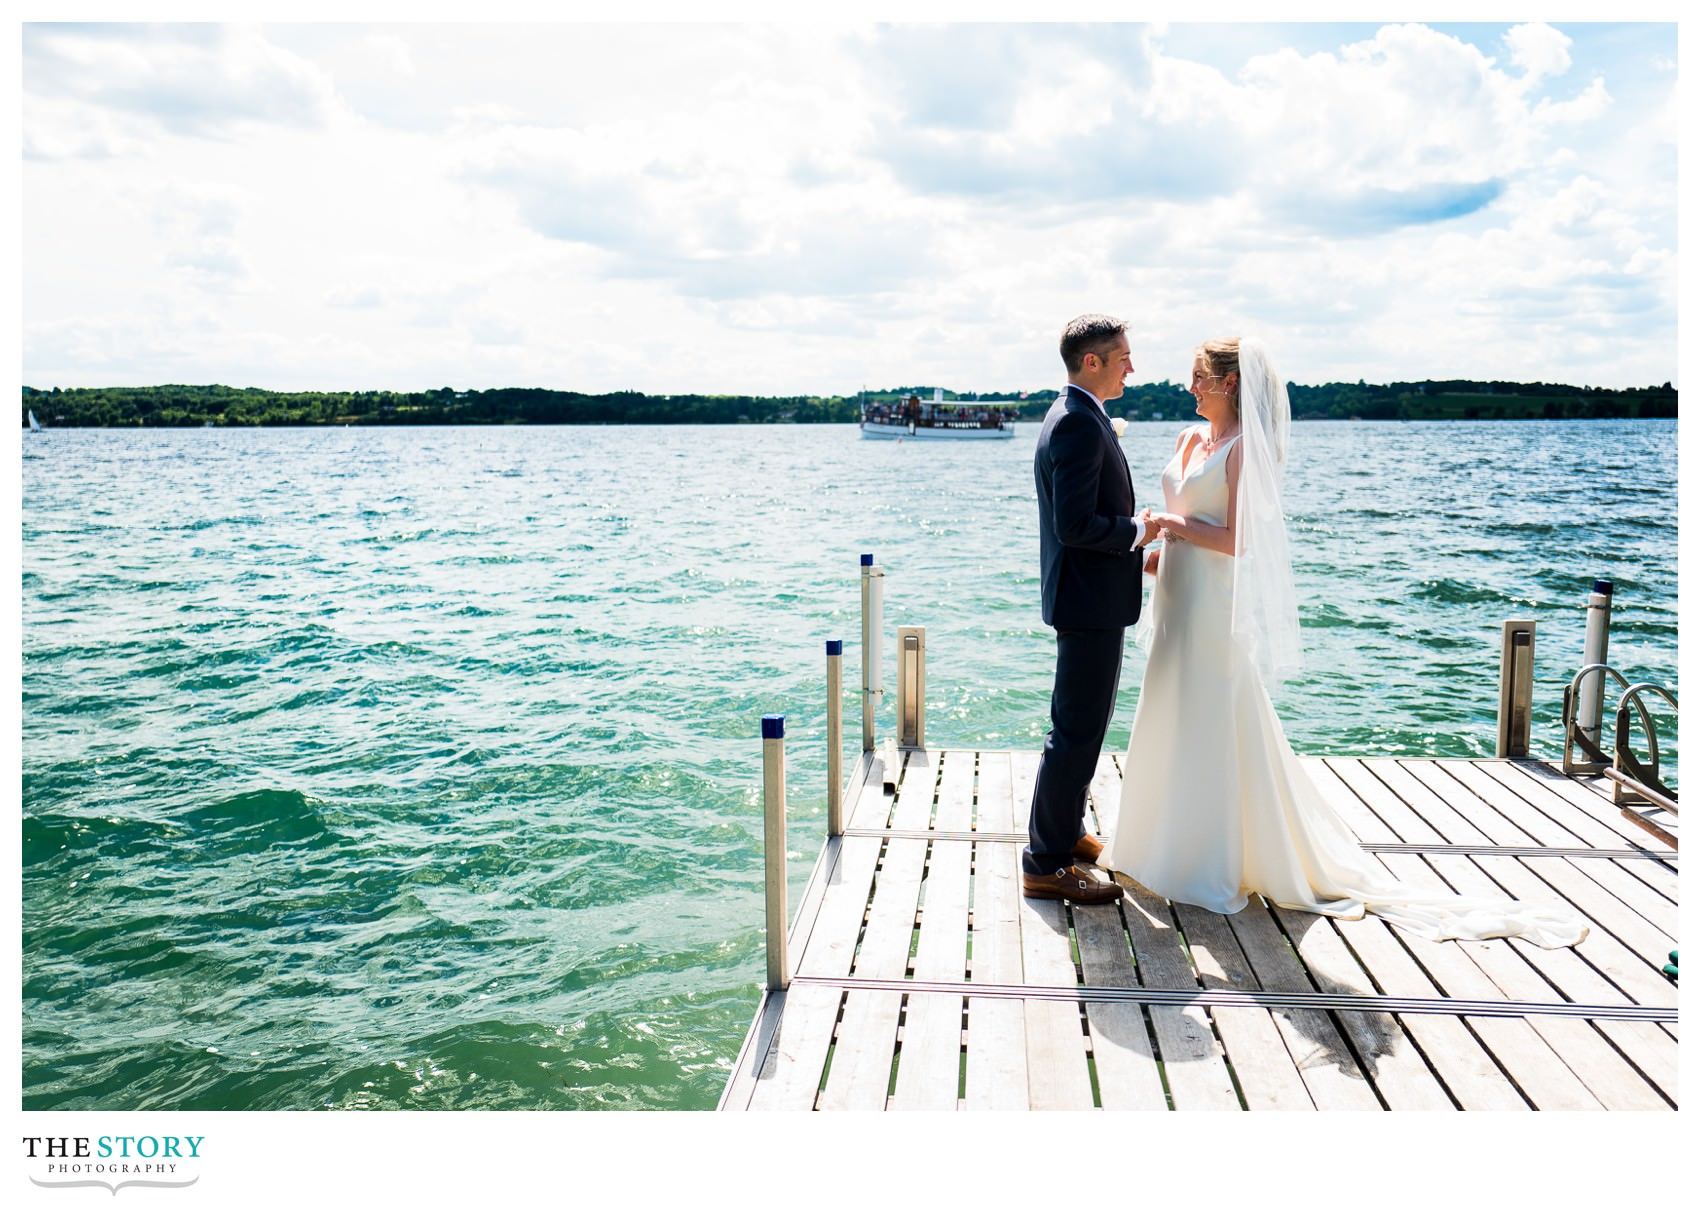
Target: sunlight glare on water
x=420 y=768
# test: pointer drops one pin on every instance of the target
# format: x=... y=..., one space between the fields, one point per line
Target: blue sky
x=786 y=208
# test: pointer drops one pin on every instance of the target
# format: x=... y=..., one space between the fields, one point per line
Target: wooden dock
x=924 y=980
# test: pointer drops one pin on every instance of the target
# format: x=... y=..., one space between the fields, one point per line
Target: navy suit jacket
x=1089 y=573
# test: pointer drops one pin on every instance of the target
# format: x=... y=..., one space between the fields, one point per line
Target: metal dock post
x=834 y=738
x=873 y=605
x=773 y=848
x=1516 y=686
x=1591 y=696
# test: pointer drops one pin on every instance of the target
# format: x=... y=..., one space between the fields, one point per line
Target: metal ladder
x=1633 y=781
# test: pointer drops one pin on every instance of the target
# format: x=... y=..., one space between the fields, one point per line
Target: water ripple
x=418 y=768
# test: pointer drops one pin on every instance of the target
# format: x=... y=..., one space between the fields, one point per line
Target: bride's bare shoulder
x=1185 y=436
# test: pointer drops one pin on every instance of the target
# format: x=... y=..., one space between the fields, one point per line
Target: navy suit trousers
x=1089 y=664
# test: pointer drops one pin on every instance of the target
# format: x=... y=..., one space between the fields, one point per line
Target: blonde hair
x=1221 y=359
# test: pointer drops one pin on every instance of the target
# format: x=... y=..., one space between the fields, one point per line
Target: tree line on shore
x=185 y=406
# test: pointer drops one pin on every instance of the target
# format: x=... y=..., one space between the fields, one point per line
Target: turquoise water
x=421 y=768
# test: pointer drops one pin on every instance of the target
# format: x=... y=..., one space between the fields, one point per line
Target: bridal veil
x=1265 y=611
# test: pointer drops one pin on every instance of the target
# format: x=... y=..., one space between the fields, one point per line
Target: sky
x=787 y=208
x=774 y=209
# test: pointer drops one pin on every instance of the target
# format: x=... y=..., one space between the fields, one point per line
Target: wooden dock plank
x=996 y=1076
x=941 y=952
x=1600 y=969
x=1467 y=1069
x=1546 y=816
x=994 y=806
x=1585 y=1049
x=914 y=808
x=1377 y=811
x=1598 y=904
x=1646 y=1046
x=1630 y=974
x=1352 y=810
x=1057 y=1074
x=859 y=1078
x=1520 y=1050
x=791 y=1074
x=1381 y=1042
x=872 y=808
x=890 y=932
x=995 y=1071
x=1515 y=792
x=1023 y=771
x=1578 y=830
x=1656 y=875
x=1571 y=877
x=1588 y=795
x=948 y=911
x=1384 y=797
x=1193 y=1066
x=955 y=810
x=1493 y=970
x=1535 y=782
x=1659 y=911
x=1126 y=1063
x=995 y=943
x=1465 y=1066
x=1605 y=910
x=929 y=1067
x=1411 y=800
x=1256 y=1053
x=1325 y=1062
x=860 y=1075
x=831 y=944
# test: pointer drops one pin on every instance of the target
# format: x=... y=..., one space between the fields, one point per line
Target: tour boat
x=939 y=418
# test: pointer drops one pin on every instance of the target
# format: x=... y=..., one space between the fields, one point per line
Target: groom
x=1090 y=565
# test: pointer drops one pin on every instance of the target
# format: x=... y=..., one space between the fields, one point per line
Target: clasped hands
x=1168 y=524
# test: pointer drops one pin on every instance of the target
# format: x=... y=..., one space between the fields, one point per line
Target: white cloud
x=143 y=81
x=1539 y=50
x=807 y=209
x=346 y=294
x=1409 y=126
x=197 y=224
x=393 y=53
x=1585 y=106
x=1409 y=110
x=59 y=129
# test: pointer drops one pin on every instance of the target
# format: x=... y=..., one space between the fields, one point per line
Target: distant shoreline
x=175 y=406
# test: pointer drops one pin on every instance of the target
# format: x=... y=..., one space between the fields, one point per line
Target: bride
x=1214 y=804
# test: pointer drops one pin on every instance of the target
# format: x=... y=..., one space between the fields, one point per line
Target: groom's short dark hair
x=1088 y=334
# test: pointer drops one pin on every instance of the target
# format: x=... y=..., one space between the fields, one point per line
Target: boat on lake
x=939 y=418
x=35 y=425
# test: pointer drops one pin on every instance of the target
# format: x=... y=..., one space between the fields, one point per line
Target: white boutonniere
x=1119 y=424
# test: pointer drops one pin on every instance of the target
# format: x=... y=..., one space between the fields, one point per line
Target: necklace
x=1209 y=444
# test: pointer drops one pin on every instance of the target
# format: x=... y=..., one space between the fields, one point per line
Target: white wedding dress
x=1215 y=805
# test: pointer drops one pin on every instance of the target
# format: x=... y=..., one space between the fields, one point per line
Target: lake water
x=421 y=768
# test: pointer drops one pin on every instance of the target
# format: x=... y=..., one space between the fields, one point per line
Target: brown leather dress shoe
x=1070 y=884
x=1087 y=849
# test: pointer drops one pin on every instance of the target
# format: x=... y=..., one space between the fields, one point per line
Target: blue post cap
x=772 y=727
x=835 y=648
x=867 y=559
x=1603 y=587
